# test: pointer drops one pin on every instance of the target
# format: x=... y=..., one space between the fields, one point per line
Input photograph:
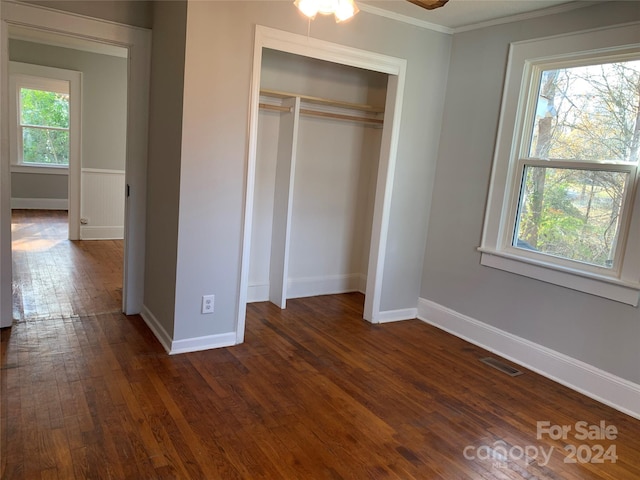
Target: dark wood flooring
x=54 y=277
x=313 y=393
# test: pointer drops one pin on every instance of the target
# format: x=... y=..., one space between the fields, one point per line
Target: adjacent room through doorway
x=68 y=159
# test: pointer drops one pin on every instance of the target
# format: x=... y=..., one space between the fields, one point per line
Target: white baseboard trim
x=187 y=345
x=40 y=203
x=327 y=285
x=207 y=342
x=312 y=286
x=101 y=233
x=395 y=315
x=591 y=381
x=258 y=293
x=156 y=328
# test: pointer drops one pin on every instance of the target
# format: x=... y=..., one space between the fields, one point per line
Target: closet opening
x=319 y=132
x=322 y=144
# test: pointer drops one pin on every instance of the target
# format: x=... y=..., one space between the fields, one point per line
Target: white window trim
x=40 y=78
x=622 y=283
x=41 y=169
x=17 y=82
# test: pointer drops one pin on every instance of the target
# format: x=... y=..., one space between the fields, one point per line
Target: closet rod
x=306 y=111
x=323 y=101
x=277 y=108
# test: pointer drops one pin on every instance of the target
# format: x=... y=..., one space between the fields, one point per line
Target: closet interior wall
x=333 y=184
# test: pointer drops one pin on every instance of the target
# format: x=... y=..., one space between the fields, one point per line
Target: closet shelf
x=324 y=101
x=316 y=113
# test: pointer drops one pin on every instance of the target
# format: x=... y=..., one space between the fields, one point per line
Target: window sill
x=39 y=169
x=607 y=287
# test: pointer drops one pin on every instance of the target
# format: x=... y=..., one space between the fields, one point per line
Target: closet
x=319 y=133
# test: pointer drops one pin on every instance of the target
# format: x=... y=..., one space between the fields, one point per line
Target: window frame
x=18 y=81
x=526 y=62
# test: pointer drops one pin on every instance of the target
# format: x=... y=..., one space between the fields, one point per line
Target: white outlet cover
x=208 y=303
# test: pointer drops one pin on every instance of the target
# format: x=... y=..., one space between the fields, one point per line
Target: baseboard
x=101 y=233
x=207 y=342
x=591 y=381
x=258 y=293
x=195 y=344
x=156 y=328
x=326 y=285
x=395 y=315
x=40 y=203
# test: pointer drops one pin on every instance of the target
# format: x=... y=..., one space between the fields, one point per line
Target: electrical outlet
x=207 y=303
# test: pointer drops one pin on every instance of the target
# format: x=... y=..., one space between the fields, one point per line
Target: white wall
x=102 y=204
x=214 y=150
x=331 y=209
x=600 y=332
x=334 y=187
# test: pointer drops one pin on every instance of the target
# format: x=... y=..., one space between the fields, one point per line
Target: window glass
x=44 y=120
x=45 y=146
x=588 y=113
x=571 y=213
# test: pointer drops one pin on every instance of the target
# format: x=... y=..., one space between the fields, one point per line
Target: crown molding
x=381 y=12
x=565 y=7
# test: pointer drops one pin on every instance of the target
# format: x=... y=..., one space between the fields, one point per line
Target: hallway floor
x=54 y=277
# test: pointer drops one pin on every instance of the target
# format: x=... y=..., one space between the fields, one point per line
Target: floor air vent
x=500 y=365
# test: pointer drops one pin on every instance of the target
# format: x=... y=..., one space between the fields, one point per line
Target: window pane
x=42 y=145
x=588 y=113
x=47 y=109
x=571 y=213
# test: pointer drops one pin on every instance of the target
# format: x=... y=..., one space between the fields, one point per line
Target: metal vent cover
x=500 y=365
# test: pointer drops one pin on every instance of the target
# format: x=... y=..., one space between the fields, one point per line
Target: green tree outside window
x=44 y=121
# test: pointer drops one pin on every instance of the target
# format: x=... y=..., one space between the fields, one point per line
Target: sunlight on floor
x=35 y=244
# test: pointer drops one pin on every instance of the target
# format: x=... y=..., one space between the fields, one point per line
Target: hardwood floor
x=313 y=393
x=54 y=277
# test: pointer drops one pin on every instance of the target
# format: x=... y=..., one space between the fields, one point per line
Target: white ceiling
x=463 y=14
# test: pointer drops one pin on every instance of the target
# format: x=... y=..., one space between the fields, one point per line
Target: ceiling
x=463 y=14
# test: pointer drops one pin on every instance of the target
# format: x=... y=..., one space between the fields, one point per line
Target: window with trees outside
x=42 y=115
x=44 y=127
x=568 y=211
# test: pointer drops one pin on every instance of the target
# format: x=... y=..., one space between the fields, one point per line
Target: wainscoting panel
x=102 y=204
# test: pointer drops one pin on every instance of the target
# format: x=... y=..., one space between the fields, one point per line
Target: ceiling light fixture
x=341 y=9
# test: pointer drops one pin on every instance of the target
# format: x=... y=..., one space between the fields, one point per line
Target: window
x=40 y=107
x=562 y=206
x=43 y=127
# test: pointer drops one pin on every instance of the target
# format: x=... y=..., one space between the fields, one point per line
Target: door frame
x=138 y=43
x=395 y=68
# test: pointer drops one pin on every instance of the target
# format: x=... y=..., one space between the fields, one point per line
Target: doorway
x=137 y=43
x=68 y=116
